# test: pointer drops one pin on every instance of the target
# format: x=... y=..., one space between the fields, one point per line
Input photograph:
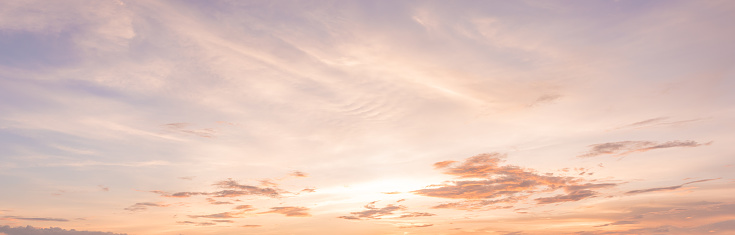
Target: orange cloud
x=495 y=186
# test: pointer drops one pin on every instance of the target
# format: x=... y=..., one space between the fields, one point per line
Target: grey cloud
x=670 y=188
x=29 y=230
x=33 y=218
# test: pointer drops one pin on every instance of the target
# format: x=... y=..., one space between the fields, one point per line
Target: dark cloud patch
x=670 y=188
x=34 y=218
x=487 y=184
x=29 y=230
x=103 y=188
x=373 y=212
x=626 y=147
x=289 y=211
x=141 y=206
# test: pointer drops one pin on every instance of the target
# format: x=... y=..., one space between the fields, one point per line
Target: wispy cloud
x=373 y=212
x=141 y=206
x=670 y=188
x=223 y=215
x=658 y=121
x=197 y=223
x=184 y=128
x=33 y=218
x=289 y=211
x=626 y=147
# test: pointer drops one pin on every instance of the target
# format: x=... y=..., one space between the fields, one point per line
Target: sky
x=367 y=117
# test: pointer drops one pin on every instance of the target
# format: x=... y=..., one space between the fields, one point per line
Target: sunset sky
x=367 y=117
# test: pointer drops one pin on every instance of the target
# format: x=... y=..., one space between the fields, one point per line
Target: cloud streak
x=627 y=147
x=289 y=211
x=670 y=188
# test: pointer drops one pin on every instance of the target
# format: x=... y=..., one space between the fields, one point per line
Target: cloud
x=231 y=189
x=488 y=185
x=245 y=208
x=374 y=212
x=289 y=211
x=670 y=188
x=240 y=190
x=197 y=223
x=223 y=215
x=658 y=121
x=215 y=202
x=626 y=147
x=621 y=222
x=298 y=174
x=251 y=226
x=29 y=230
x=33 y=218
x=223 y=221
x=141 y=206
x=416 y=226
x=183 y=128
